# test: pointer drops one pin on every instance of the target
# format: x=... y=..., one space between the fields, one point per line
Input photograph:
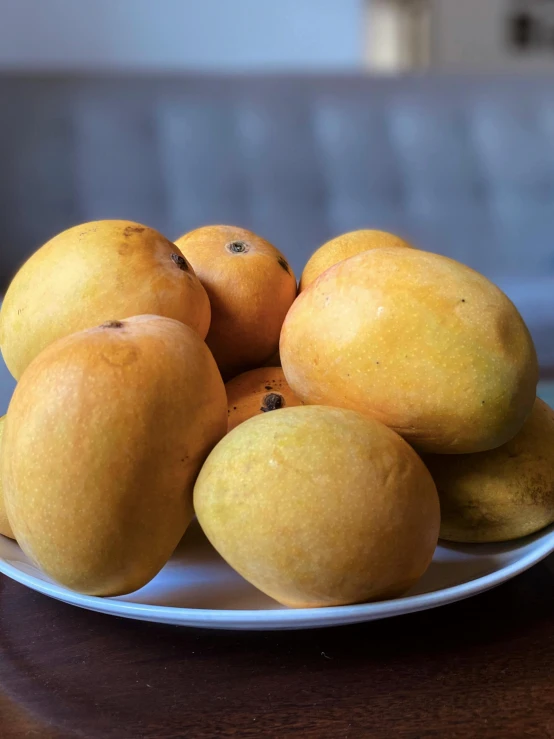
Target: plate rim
x=276 y=619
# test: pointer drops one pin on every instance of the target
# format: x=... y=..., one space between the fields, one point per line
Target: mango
x=319 y=506
x=104 y=437
x=5 y=527
x=251 y=287
x=93 y=273
x=501 y=494
x=418 y=341
x=258 y=391
x=344 y=246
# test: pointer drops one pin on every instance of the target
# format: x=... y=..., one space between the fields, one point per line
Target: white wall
x=181 y=34
x=471 y=35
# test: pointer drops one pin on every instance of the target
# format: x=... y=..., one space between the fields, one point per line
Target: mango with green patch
x=501 y=494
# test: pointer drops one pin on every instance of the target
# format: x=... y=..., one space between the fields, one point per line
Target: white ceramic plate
x=197 y=588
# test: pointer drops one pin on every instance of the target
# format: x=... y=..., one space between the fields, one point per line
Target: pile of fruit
x=388 y=400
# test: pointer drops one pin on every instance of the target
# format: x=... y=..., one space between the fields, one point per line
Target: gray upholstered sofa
x=461 y=166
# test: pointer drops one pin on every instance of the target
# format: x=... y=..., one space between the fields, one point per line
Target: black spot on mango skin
x=284 y=264
x=181 y=262
x=268 y=387
x=112 y=324
x=92 y=229
x=237 y=247
x=133 y=230
x=272 y=402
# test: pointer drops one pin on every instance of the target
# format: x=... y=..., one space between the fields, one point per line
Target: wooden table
x=480 y=668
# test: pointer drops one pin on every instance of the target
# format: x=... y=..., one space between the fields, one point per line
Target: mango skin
x=104 y=437
x=258 y=391
x=344 y=246
x=319 y=506
x=5 y=527
x=93 y=273
x=418 y=341
x=501 y=494
x=250 y=293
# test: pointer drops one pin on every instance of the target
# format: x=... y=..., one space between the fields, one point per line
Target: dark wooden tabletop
x=480 y=668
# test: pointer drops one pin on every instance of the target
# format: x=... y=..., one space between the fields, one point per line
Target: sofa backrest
x=461 y=166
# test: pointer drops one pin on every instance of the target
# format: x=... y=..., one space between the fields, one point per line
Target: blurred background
x=299 y=119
